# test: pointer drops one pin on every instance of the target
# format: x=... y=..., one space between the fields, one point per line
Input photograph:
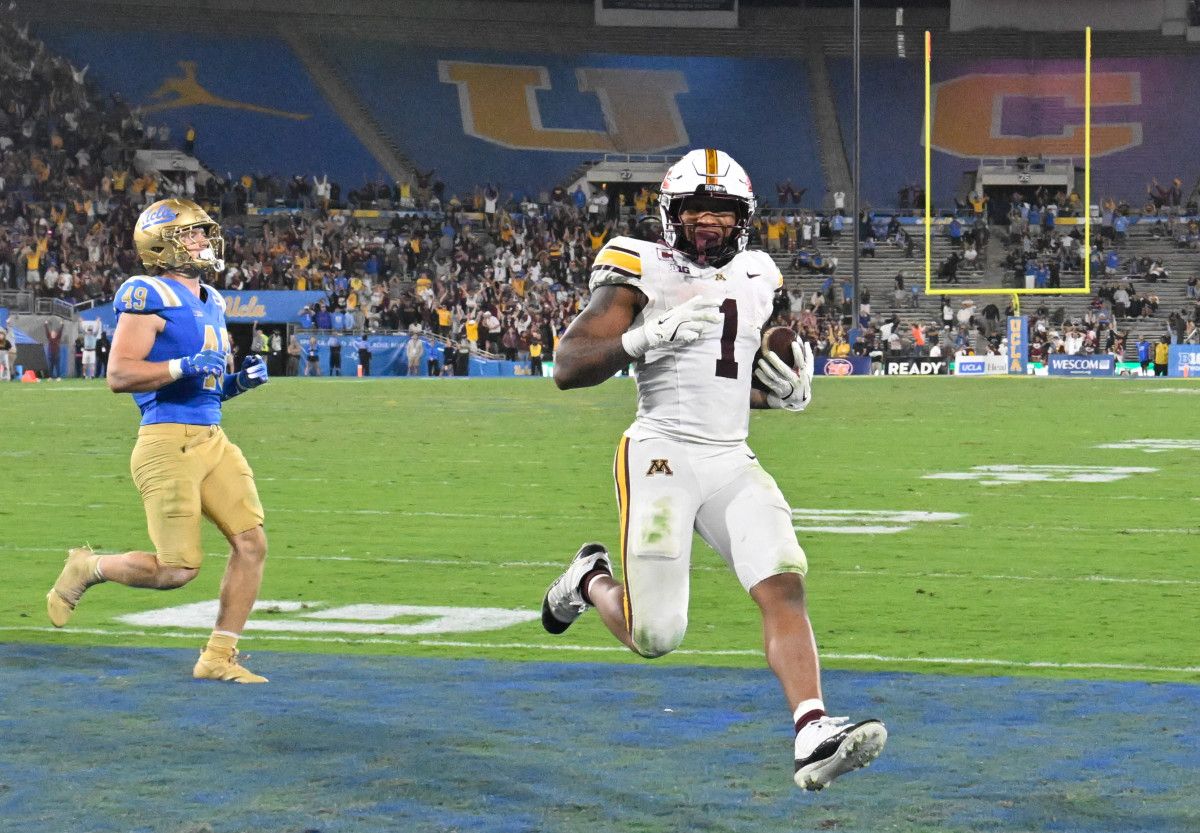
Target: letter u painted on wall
x=499 y=104
x=1013 y=114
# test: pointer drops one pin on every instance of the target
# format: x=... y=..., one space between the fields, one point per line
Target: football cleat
x=829 y=747
x=67 y=590
x=224 y=666
x=563 y=602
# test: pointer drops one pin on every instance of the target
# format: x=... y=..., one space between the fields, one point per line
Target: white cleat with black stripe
x=830 y=746
x=563 y=602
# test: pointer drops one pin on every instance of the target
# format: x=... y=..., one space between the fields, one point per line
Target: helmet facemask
x=209 y=259
x=707 y=243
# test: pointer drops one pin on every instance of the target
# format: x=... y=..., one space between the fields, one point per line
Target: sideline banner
x=1018 y=344
x=269 y=306
x=916 y=366
x=1060 y=364
x=980 y=366
x=389 y=357
x=1184 y=361
x=852 y=366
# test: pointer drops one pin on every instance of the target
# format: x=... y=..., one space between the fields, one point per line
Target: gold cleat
x=72 y=581
x=224 y=666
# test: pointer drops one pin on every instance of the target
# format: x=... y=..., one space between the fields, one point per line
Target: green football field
x=388 y=498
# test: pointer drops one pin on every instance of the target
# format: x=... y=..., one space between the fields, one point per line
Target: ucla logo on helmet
x=160 y=215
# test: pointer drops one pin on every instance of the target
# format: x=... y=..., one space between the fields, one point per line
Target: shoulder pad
x=765 y=266
x=145 y=294
x=619 y=262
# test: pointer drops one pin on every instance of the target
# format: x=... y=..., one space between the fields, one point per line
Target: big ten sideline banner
x=1184 y=361
x=1018 y=344
x=389 y=357
x=980 y=366
x=709 y=14
x=851 y=366
x=916 y=366
x=1060 y=364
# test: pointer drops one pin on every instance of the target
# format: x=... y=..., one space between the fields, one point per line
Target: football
x=779 y=341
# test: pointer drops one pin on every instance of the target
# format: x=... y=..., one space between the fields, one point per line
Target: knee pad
x=656 y=639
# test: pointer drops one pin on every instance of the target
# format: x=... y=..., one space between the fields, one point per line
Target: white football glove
x=789 y=389
x=679 y=325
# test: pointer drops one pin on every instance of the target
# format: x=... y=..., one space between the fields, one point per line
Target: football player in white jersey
x=690 y=310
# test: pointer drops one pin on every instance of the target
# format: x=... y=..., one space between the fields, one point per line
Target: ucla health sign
x=1184 y=361
x=1060 y=364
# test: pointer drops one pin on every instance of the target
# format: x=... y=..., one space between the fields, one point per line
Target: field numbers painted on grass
x=863 y=521
x=1155 y=446
x=1001 y=475
x=371 y=619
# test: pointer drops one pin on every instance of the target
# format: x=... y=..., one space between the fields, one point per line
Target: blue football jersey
x=192 y=325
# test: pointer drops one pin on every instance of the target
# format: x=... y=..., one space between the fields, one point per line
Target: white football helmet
x=708 y=173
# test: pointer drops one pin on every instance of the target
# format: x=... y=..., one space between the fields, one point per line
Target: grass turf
x=472 y=493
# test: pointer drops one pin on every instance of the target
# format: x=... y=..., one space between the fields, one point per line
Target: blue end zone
x=123 y=740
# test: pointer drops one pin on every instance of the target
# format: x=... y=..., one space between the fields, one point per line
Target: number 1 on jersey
x=727 y=368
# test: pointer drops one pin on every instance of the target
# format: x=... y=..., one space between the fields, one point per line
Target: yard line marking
x=1154 y=446
x=695 y=652
x=911 y=574
x=307 y=511
x=999 y=475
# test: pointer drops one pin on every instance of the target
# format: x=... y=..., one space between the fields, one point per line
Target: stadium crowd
x=507 y=275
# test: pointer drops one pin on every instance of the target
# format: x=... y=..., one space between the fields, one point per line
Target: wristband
x=175 y=368
x=635 y=342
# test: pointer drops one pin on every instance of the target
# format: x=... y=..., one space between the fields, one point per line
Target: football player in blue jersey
x=169 y=351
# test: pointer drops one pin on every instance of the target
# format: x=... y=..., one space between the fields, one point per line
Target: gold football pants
x=184 y=471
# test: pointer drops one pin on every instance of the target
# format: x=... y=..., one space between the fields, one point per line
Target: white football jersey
x=698 y=392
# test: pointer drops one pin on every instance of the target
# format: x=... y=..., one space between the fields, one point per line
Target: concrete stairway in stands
x=877 y=274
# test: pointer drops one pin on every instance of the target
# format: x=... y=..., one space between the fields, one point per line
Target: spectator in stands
x=102 y=348
x=6 y=367
x=312 y=354
x=54 y=349
x=335 y=356
x=77 y=352
x=955 y=232
x=294 y=352
x=323 y=318
x=1162 y=353
x=90 y=337
x=414 y=351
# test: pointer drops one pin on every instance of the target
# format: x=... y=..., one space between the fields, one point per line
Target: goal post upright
x=1087 y=190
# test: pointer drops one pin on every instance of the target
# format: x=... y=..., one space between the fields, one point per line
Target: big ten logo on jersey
x=674 y=261
x=659 y=467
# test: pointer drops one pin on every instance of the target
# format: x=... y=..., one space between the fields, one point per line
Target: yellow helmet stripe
x=169 y=298
x=710 y=166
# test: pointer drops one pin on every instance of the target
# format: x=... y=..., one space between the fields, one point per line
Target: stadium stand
x=486 y=221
